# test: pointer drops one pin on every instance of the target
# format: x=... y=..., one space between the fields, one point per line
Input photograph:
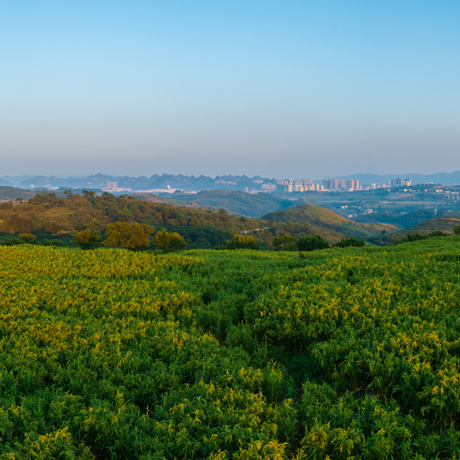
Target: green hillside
x=50 y=214
x=443 y=224
x=230 y=355
x=243 y=204
x=323 y=218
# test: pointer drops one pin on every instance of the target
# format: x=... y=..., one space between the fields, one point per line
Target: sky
x=272 y=88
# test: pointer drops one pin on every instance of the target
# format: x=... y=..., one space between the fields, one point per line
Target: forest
x=341 y=353
x=55 y=220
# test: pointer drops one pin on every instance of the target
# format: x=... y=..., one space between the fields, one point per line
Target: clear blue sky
x=277 y=88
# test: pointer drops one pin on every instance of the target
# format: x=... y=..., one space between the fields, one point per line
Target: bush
x=242 y=242
x=54 y=242
x=456 y=230
x=310 y=243
x=87 y=239
x=134 y=237
x=13 y=241
x=169 y=242
x=285 y=243
x=350 y=242
x=436 y=233
x=28 y=237
x=415 y=236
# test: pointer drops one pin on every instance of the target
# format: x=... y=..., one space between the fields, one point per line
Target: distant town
x=167 y=184
x=286 y=185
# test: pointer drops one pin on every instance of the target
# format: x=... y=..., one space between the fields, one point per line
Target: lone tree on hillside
x=129 y=236
x=169 y=242
x=88 y=239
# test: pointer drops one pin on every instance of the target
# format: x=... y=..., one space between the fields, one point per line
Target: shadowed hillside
x=11 y=193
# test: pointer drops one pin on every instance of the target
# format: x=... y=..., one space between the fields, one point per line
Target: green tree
x=88 y=239
x=310 y=243
x=242 y=242
x=349 y=242
x=129 y=236
x=28 y=237
x=285 y=243
x=89 y=194
x=169 y=242
x=456 y=230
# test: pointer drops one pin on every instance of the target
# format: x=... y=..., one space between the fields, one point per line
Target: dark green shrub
x=285 y=243
x=242 y=242
x=350 y=242
x=310 y=243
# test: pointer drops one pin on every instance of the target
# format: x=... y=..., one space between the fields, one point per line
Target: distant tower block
x=112 y=185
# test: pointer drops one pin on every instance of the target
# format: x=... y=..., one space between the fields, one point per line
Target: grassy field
x=339 y=353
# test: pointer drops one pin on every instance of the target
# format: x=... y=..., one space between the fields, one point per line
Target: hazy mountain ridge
x=202 y=182
x=99 y=181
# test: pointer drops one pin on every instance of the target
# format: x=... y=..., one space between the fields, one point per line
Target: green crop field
x=334 y=354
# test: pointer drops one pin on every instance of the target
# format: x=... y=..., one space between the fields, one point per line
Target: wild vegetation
x=342 y=353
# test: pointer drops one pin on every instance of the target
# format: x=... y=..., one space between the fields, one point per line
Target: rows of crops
x=342 y=353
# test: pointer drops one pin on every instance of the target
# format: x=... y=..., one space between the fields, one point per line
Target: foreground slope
x=230 y=355
x=322 y=218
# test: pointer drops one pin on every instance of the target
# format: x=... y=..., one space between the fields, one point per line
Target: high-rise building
x=398 y=182
x=112 y=185
x=352 y=184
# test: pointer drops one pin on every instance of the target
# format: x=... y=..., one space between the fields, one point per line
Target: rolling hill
x=443 y=224
x=239 y=203
x=11 y=193
x=47 y=213
x=322 y=218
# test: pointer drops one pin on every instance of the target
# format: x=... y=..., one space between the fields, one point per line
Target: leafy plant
x=169 y=242
x=87 y=239
x=128 y=236
x=242 y=242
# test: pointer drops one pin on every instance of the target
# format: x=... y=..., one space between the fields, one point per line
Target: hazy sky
x=277 y=88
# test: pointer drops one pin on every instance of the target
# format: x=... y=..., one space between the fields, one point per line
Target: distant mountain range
x=99 y=181
x=193 y=183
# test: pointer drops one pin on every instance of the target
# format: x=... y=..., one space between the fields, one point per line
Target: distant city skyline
x=215 y=88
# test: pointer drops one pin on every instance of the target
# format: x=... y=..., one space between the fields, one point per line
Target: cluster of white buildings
x=297 y=185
